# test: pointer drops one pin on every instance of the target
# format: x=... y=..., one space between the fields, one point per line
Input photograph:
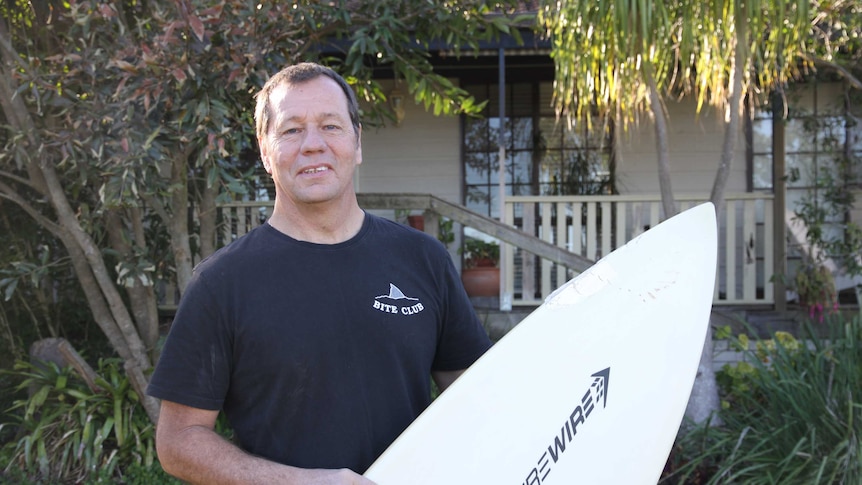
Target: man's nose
x=313 y=140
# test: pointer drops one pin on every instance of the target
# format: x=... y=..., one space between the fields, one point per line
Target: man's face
x=311 y=149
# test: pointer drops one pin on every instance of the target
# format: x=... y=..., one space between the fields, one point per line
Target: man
x=317 y=332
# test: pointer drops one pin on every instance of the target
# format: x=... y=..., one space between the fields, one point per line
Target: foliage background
x=122 y=118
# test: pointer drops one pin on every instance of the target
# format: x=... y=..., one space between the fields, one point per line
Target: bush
x=792 y=417
x=67 y=433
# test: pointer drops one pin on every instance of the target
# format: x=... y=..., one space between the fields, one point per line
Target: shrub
x=67 y=433
x=792 y=417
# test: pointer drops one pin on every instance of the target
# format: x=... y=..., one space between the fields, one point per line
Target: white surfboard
x=590 y=388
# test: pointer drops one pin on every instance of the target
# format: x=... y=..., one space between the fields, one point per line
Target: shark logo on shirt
x=397 y=302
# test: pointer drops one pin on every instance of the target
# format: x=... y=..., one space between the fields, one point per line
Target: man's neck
x=320 y=224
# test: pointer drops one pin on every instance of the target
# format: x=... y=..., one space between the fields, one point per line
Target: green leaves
x=31 y=273
x=398 y=34
x=602 y=50
x=8 y=285
x=793 y=415
x=71 y=433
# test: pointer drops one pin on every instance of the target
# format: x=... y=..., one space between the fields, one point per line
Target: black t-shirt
x=319 y=355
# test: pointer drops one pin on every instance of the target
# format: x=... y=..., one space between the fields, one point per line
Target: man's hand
x=333 y=477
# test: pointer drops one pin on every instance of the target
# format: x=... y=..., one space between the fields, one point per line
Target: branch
x=157 y=206
x=843 y=71
x=13 y=107
x=9 y=54
x=10 y=194
x=16 y=178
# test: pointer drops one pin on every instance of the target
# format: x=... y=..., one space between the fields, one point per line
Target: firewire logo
x=596 y=395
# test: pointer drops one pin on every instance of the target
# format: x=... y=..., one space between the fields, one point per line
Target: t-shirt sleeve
x=194 y=366
x=463 y=339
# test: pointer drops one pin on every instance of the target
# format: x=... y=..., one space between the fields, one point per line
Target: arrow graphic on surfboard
x=551 y=454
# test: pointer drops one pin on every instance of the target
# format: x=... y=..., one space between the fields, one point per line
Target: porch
x=546 y=240
x=593 y=226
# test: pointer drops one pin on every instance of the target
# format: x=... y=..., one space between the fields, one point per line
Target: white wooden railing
x=603 y=223
x=593 y=226
x=238 y=217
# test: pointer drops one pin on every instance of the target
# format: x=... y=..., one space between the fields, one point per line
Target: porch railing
x=593 y=226
x=239 y=217
x=581 y=229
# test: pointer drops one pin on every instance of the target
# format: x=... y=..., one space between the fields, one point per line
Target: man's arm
x=444 y=379
x=191 y=450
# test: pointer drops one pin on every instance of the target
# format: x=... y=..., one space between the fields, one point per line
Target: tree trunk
x=67 y=219
x=104 y=299
x=178 y=225
x=734 y=107
x=142 y=298
x=663 y=152
x=104 y=319
x=146 y=305
x=704 y=401
x=208 y=216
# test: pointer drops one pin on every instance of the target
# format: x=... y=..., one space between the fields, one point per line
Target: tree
x=123 y=117
x=623 y=58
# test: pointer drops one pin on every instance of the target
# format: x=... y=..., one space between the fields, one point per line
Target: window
x=823 y=147
x=543 y=156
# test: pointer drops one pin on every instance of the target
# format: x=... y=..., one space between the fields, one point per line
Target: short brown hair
x=298 y=74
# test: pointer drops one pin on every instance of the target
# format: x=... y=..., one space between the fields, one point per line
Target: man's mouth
x=315 y=170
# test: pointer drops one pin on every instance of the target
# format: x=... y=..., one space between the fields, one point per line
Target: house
x=587 y=190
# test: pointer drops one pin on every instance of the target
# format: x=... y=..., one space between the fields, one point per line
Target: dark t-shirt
x=319 y=355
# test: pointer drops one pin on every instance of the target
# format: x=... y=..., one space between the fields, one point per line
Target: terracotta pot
x=481 y=281
x=416 y=222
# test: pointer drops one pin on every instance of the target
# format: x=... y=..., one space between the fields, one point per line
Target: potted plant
x=481 y=272
x=815 y=286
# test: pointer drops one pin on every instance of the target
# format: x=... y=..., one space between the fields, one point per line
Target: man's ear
x=359 y=146
x=264 y=155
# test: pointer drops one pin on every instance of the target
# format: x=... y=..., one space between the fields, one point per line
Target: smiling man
x=310 y=143
x=316 y=333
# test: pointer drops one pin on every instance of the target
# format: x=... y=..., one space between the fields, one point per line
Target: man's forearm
x=200 y=456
